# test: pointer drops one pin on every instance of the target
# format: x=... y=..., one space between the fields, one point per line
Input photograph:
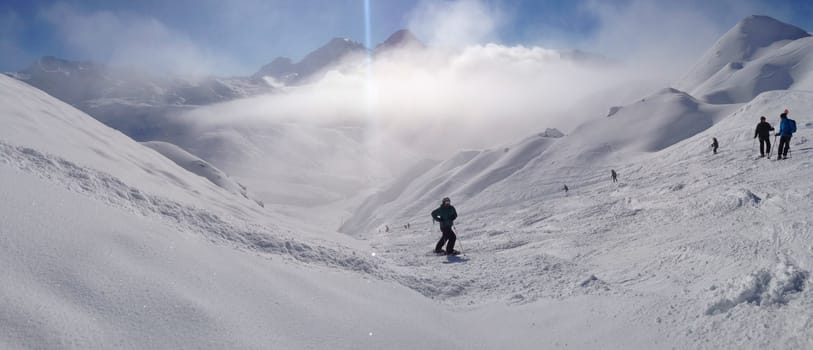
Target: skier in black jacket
x=446 y=215
x=763 y=131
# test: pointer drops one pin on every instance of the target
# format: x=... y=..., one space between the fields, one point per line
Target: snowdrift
x=198 y=166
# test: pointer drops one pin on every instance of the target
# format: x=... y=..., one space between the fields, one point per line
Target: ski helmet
x=446 y=199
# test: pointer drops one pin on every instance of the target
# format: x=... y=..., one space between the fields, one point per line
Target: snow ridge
x=214 y=227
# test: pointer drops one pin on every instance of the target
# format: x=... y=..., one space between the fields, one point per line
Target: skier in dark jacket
x=446 y=215
x=787 y=127
x=763 y=131
x=714 y=144
x=613 y=175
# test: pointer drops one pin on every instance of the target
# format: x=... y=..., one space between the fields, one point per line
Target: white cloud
x=128 y=39
x=455 y=23
x=440 y=101
x=13 y=55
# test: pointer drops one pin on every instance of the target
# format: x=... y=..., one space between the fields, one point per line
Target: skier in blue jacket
x=787 y=127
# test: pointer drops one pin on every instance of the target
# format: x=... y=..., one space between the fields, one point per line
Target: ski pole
x=454 y=229
x=753 y=145
x=777 y=146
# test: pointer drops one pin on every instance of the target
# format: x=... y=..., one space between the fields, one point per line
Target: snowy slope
x=651 y=124
x=715 y=249
x=287 y=163
x=79 y=273
x=64 y=131
x=759 y=54
x=198 y=166
x=107 y=244
x=464 y=175
x=98 y=252
x=540 y=165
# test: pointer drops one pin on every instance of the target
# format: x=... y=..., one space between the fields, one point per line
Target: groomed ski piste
x=107 y=243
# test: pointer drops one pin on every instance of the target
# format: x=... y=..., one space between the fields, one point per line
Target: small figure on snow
x=386 y=228
x=714 y=144
x=787 y=127
x=614 y=175
x=763 y=131
x=446 y=215
x=566 y=189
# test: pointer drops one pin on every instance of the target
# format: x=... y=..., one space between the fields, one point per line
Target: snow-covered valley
x=106 y=242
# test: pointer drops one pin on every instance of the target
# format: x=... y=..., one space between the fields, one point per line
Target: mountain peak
x=51 y=64
x=330 y=54
x=757 y=24
x=399 y=39
x=746 y=41
x=341 y=43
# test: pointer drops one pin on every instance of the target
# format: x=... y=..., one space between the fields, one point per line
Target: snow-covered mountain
x=648 y=126
x=83 y=83
x=142 y=104
x=282 y=70
x=129 y=100
x=759 y=54
x=285 y=71
x=401 y=39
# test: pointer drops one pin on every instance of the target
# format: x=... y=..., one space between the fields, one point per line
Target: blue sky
x=238 y=36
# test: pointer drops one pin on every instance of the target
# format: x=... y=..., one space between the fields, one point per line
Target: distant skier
x=566 y=189
x=614 y=175
x=446 y=215
x=714 y=144
x=763 y=131
x=787 y=127
x=386 y=228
